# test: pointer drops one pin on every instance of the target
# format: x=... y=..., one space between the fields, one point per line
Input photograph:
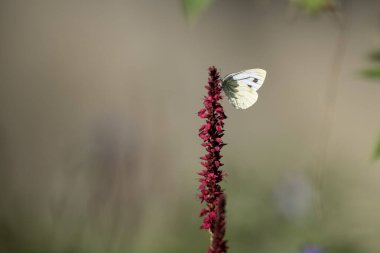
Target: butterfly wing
x=244 y=98
x=251 y=77
x=241 y=87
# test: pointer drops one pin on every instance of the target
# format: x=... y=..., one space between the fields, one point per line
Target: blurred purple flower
x=293 y=196
x=313 y=249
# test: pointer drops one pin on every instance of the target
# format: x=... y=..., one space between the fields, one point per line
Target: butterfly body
x=241 y=87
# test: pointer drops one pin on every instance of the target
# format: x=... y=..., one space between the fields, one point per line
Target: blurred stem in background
x=330 y=98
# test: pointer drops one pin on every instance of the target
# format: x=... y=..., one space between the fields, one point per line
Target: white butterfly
x=241 y=87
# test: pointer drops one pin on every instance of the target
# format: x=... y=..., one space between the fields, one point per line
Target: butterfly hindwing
x=243 y=99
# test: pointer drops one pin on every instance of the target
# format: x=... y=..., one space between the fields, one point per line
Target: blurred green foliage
x=373 y=72
x=376 y=153
x=375 y=56
x=313 y=6
x=193 y=8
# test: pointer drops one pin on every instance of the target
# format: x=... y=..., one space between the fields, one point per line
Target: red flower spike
x=218 y=244
x=203 y=212
x=211 y=193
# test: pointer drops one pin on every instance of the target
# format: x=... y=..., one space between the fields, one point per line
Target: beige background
x=98 y=126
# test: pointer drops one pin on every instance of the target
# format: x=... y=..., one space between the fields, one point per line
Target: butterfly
x=241 y=87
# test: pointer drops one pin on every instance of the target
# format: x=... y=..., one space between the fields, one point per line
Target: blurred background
x=98 y=126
